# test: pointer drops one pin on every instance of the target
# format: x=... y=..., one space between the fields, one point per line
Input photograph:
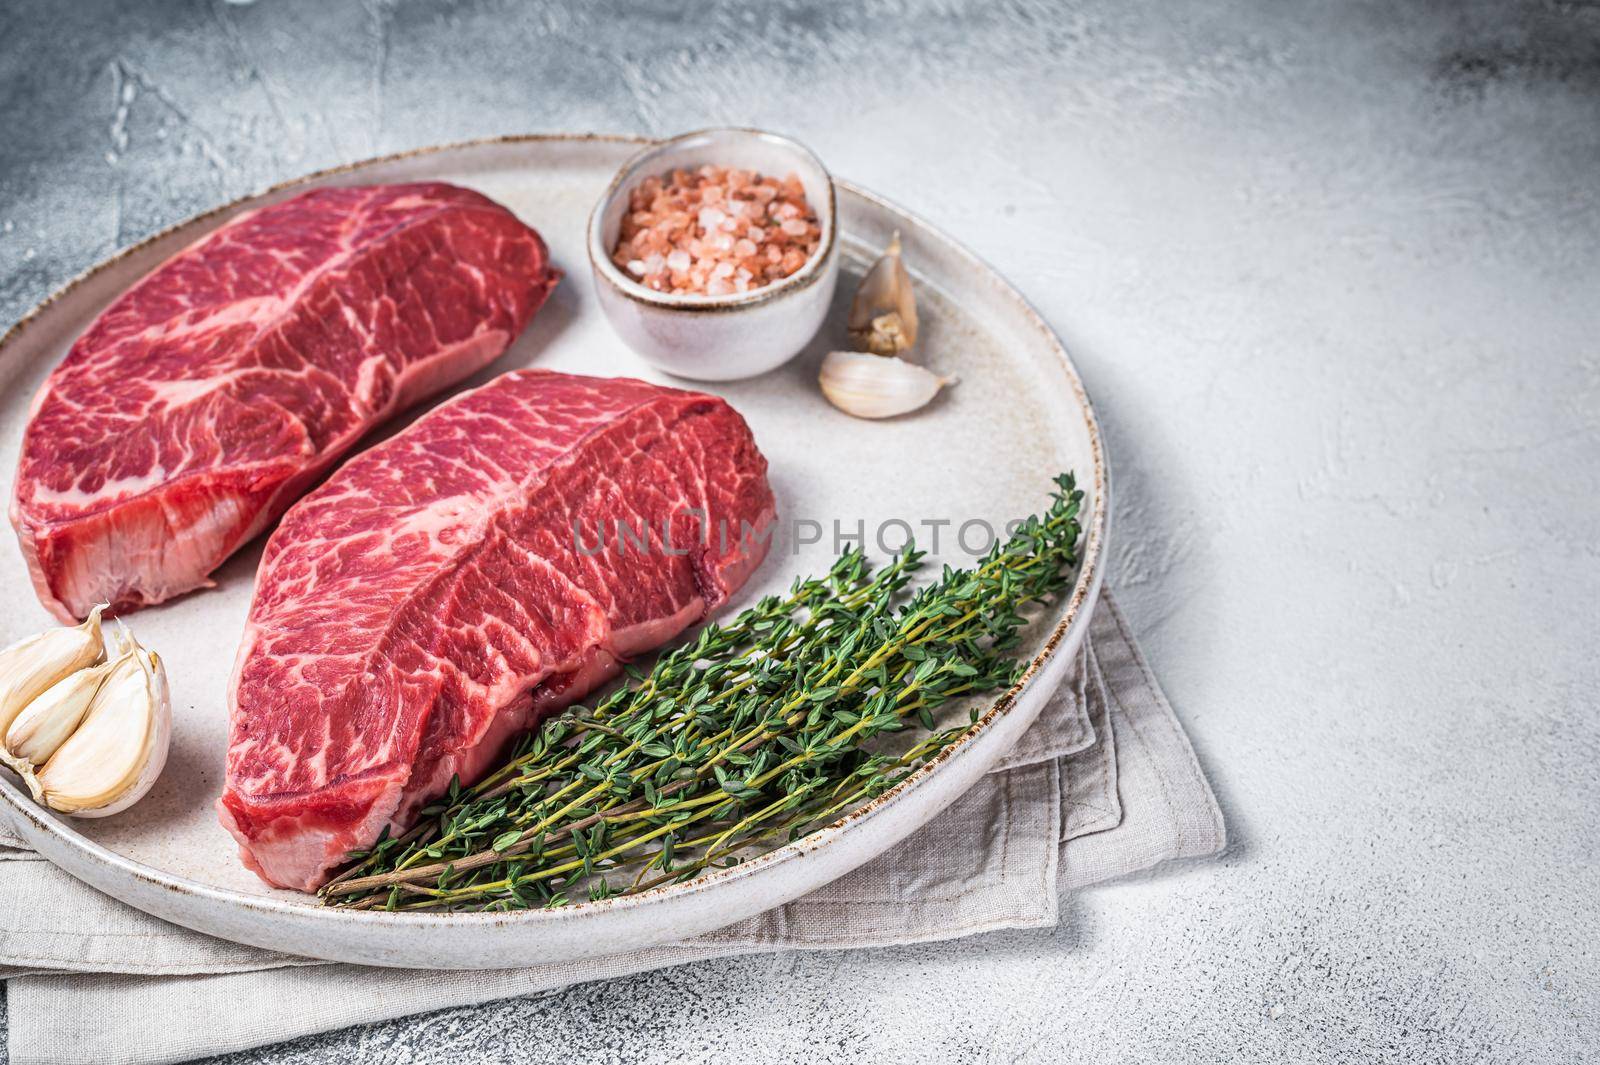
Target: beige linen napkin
x=1105 y=784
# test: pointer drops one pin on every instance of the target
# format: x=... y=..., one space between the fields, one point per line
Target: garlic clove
x=30 y=666
x=883 y=316
x=871 y=386
x=44 y=724
x=119 y=749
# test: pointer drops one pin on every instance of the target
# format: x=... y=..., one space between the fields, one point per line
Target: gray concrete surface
x=1331 y=273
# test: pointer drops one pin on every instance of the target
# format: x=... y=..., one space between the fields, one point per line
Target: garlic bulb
x=871 y=386
x=883 y=317
x=93 y=742
x=30 y=666
x=119 y=748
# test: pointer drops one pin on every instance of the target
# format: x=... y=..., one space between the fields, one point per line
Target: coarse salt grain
x=716 y=230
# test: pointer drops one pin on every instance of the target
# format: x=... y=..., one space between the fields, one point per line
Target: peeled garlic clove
x=883 y=317
x=120 y=748
x=45 y=723
x=871 y=386
x=29 y=667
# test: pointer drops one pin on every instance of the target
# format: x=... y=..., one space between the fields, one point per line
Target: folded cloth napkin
x=1104 y=784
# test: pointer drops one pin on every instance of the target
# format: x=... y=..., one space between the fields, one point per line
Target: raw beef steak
x=445 y=589
x=203 y=401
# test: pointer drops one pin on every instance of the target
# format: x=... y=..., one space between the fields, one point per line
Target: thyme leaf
x=754 y=733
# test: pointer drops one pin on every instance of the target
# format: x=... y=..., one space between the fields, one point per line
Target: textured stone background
x=1331 y=274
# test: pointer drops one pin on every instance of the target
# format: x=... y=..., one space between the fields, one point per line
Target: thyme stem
x=758 y=730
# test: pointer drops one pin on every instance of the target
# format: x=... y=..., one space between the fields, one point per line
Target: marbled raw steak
x=214 y=392
x=445 y=589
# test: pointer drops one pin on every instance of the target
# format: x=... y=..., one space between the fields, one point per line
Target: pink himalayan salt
x=715 y=230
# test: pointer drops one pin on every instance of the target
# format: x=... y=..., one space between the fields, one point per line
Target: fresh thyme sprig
x=754 y=733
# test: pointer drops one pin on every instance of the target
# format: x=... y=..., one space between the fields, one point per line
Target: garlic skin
x=119 y=749
x=883 y=316
x=29 y=667
x=872 y=386
x=45 y=723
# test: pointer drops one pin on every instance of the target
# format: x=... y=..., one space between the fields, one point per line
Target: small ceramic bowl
x=718 y=338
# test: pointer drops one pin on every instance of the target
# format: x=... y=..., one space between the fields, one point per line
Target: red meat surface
x=214 y=392
x=445 y=589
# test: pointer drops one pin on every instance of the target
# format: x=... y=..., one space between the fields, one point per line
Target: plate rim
x=1074 y=618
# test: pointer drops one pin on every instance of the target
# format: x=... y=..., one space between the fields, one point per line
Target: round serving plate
x=984 y=452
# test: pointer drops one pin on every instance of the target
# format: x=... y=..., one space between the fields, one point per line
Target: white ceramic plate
x=986 y=450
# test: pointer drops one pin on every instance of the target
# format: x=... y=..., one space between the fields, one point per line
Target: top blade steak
x=214 y=392
x=445 y=589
